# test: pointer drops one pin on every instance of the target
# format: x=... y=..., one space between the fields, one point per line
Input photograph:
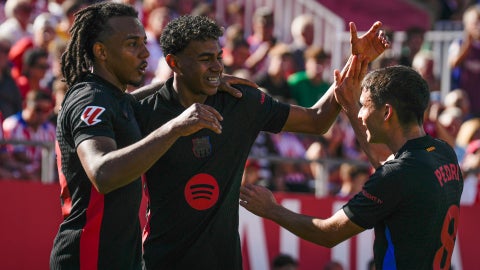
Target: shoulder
x=297 y=76
x=12 y=122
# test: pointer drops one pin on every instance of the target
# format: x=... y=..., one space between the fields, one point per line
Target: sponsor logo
x=91 y=114
x=201 y=191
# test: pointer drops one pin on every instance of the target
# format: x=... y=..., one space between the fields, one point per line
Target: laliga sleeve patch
x=91 y=114
x=201 y=191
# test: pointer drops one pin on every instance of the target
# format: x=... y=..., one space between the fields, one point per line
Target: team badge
x=91 y=114
x=201 y=147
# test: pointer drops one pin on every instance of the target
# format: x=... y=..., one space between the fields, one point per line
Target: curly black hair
x=89 y=26
x=181 y=31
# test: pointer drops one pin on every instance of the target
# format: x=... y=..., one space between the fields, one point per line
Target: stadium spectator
x=279 y=67
x=18 y=23
x=353 y=178
x=10 y=98
x=284 y=262
x=9 y=168
x=261 y=39
x=31 y=124
x=302 y=30
x=423 y=62
x=69 y=8
x=470 y=166
x=237 y=52
x=309 y=85
x=415 y=36
x=458 y=98
x=34 y=68
x=157 y=20
x=43 y=34
x=464 y=58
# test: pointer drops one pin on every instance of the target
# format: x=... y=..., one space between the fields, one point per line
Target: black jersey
x=194 y=188
x=412 y=202
x=99 y=231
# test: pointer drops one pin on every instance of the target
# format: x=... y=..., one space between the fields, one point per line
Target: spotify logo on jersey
x=201 y=191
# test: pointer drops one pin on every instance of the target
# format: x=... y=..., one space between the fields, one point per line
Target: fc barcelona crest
x=201 y=147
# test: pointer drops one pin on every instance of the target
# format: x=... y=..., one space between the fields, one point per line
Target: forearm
x=376 y=153
x=120 y=167
x=458 y=59
x=308 y=228
x=146 y=90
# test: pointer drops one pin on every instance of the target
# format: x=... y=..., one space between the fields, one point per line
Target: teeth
x=213 y=79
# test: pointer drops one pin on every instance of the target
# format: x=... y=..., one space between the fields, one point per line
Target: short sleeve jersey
x=99 y=231
x=194 y=188
x=412 y=202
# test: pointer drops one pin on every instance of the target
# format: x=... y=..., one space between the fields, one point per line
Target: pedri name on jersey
x=447 y=173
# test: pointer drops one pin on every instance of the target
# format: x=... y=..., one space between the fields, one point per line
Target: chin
x=137 y=83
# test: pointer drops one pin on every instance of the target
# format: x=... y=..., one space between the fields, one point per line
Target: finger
x=215 y=114
x=337 y=76
x=351 y=69
x=236 y=80
x=353 y=32
x=231 y=90
x=364 y=68
x=374 y=28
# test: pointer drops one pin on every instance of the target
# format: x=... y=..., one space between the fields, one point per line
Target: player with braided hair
x=98 y=137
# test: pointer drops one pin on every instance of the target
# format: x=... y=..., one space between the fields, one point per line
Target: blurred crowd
x=34 y=34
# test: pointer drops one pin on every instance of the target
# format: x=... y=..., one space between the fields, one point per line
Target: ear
x=388 y=112
x=173 y=63
x=99 y=51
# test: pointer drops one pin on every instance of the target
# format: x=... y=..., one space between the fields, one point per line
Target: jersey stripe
x=64 y=191
x=90 y=238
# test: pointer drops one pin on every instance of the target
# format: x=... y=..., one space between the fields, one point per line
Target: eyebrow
x=209 y=54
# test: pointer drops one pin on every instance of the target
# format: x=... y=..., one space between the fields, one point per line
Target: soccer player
x=194 y=188
x=101 y=153
x=411 y=201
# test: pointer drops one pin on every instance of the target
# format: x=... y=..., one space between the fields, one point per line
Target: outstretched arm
x=347 y=94
x=325 y=232
x=226 y=85
x=319 y=118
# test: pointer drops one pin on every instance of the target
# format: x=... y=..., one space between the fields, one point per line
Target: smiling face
x=124 y=53
x=198 y=69
x=372 y=118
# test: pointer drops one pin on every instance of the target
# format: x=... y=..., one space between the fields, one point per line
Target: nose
x=145 y=53
x=217 y=65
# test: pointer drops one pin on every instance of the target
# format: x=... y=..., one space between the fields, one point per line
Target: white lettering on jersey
x=90 y=115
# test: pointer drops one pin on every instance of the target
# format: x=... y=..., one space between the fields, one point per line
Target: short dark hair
x=31 y=56
x=181 y=31
x=403 y=88
x=283 y=260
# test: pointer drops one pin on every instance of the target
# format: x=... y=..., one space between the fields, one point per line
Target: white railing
x=48 y=157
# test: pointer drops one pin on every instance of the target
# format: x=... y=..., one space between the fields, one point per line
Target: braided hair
x=89 y=26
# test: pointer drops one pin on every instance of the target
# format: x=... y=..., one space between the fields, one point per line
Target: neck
x=187 y=97
x=413 y=132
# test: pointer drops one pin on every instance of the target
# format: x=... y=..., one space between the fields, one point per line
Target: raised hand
x=371 y=44
x=196 y=117
x=348 y=87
